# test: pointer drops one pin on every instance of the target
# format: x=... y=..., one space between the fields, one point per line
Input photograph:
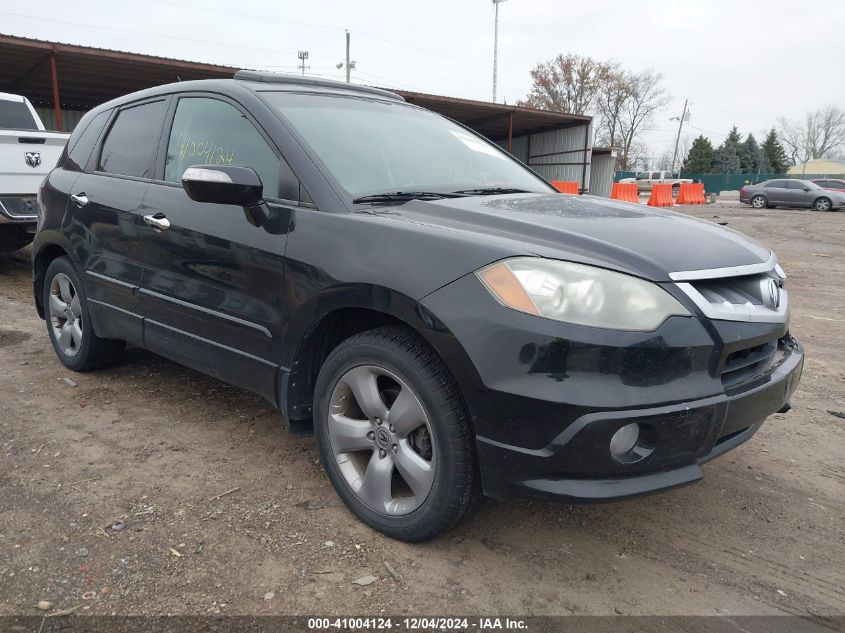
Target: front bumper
x=684 y=435
x=546 y=397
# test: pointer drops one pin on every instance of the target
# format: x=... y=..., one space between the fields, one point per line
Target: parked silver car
x=791 y=192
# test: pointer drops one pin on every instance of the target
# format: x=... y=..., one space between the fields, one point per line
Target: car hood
x=645 y=241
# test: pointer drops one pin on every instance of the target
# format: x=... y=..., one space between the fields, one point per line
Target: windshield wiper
x=490 y=191
x=402 y=195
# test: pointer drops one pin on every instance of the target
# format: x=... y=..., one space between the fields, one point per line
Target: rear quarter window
x=83 y=140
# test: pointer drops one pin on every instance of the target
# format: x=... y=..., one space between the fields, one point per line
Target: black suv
x=444 y=321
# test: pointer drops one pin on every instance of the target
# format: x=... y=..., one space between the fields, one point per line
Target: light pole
x=302 y=55
x=496 y=46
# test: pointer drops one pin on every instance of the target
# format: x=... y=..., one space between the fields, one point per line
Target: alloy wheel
x=823 y=204
x=381 y=440
x=65 y=314
x=758 y=202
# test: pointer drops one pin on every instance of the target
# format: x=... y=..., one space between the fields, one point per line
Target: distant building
x=819 y=167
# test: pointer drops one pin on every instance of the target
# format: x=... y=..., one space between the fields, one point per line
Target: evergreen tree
x=700 y=157
x=727 y=156
x=774 y=156
x=750 y=156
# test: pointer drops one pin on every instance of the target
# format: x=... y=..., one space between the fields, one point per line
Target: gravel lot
x=150 y=444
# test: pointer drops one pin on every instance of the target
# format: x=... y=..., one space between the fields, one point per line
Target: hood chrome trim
x=729 y=271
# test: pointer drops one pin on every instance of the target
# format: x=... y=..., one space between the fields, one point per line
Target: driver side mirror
x=805 y=188
x=224 y=184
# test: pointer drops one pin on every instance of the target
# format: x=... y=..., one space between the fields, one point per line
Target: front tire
x=822 y=204
x=394 y=436
x=759 y=202
x=69 y=321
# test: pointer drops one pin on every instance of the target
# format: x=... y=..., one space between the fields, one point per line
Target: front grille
x=747 y=363
x=19 y=206
x=756 y=297
x=734 y=290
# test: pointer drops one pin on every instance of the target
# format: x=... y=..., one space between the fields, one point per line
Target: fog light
x=624 y=439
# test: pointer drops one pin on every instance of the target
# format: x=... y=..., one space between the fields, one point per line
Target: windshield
x=375 y=147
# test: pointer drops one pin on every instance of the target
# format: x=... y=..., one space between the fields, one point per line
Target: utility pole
x=684 y=117
x=348 y=69
x=350 y=63
x=496 y=46
x=302 y=55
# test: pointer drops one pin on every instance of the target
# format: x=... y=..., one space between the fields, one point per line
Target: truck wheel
x=393 y=435
x=13 y=237
x=69 y=322
x=822 y=204
x=759 y=202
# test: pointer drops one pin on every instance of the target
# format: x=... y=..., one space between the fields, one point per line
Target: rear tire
x=394 y=436
x=759 y=202
x=822 y=204
x=69 y=321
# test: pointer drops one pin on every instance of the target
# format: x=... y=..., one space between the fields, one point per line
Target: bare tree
x=623 y=102
x=612 y=97
x=568 y=83
x=820 y=135
x=646 y=98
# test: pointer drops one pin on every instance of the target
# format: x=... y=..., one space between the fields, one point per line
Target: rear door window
x=131 y=141
x=794 y=184
x=655 y=175
x=209 y=131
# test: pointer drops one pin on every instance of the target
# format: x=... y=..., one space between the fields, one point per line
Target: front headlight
x=579 y=294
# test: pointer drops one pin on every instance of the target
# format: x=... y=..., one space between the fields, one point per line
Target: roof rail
x=280 y=78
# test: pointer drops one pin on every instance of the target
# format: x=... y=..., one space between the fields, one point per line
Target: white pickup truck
x=645 y=180
x=27 y=154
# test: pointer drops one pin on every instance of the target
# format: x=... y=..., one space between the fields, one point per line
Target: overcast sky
x=743 y=62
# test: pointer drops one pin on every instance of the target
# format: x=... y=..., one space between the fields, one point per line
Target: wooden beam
x=57 y=104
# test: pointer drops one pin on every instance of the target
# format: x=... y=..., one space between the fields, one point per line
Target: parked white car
x=27 y=154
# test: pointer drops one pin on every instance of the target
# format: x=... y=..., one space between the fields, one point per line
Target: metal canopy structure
x=86 y=76
x=65 y=80
x=81 y=77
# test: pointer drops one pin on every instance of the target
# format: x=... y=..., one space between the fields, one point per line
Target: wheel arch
x=311 y=344
x=823 y=197
x=43 y=254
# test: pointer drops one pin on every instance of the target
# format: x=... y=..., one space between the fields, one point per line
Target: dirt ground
x=152 y=444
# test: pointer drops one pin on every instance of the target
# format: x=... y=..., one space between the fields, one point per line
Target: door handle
x=79 y=199
x=158 y=222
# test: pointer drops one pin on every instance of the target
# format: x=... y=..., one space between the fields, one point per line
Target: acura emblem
x=773 y=298
x=33 y=159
